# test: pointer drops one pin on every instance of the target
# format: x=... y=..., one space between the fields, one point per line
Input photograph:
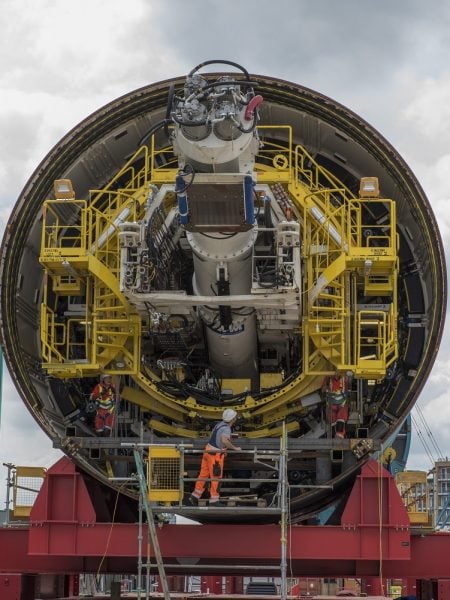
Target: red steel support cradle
x=374 y=538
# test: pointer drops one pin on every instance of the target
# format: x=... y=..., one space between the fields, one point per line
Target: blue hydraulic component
x=397 y=448
x=249 y=201
x=326 y=514
x=183 y=209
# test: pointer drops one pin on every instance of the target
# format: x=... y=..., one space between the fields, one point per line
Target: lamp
x=63 y=189
x=369 y=187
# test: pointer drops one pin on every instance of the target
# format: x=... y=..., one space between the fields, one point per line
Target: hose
x=156 y=127
x=219 y=62
x=170 y=98
x=252 y=126
x=183 y=173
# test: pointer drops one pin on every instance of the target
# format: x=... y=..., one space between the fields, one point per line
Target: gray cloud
x=370 y=39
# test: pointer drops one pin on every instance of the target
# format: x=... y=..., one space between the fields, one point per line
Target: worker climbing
x=213 y=459
x=104 y=397
x=336 y=390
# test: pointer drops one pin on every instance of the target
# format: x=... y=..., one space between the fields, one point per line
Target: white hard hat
x=228 y=415
x=104 y=376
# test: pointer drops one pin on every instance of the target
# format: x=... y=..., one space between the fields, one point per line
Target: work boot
x=191 y=501
x=216 y=504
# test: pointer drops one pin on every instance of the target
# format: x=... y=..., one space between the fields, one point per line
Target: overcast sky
x=387 y=61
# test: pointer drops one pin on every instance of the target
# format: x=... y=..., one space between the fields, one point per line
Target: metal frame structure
x=106 y=235
x=66 y=535
x=335 y=241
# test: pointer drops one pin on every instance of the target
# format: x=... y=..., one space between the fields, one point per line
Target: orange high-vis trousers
x=210 y=458
x=104 y=419
x=339 y=417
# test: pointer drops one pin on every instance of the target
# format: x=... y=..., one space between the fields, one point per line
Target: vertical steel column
x=73 y=584
x=443 y=589
x=409 y=587
x=374 y=586
x=9 y=485
x=147 y=567
x=140 y=539
x=284 y=510
x=211 y=584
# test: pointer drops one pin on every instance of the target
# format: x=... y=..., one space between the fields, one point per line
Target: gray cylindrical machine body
x=232 y=352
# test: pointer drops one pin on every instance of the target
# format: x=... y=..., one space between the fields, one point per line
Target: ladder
x=151 y=523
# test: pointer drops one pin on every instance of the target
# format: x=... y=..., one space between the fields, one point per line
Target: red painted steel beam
x=15 y=558
x=65 y=537
x=429 y=558
x=238 y=542
x=63 y=523
x=245 y=545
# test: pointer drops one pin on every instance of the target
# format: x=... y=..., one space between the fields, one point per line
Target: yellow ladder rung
x=374 y=323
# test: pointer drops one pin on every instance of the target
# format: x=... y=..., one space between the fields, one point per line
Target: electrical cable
x=187 y=170
x=183 y=390
x=422 y=439
x=252 y=126
x=156 y=127
x=223 y=236
x=110 y=530
x=428 y=430
x=189 y=124
x=170 y=98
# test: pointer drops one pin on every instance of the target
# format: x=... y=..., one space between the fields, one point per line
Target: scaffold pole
x=151 y=523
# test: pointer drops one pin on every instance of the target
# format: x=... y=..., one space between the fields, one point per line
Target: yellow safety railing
x=53 y=336
x=92 y=341
x=371 y=238
x=414 y=491
x=118 y=337
x=346 y=249
x=76 y=349
x=371 y=328
x=27 y=483
x=324 y=244
x=315 y=176
x=67 y=340
x=163 y=164
x=64 y=227
x=275 y=157
x=129 y=179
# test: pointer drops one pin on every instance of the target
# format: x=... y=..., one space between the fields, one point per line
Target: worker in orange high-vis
x=336 y=390
x=104 y=396
x=213 y=459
